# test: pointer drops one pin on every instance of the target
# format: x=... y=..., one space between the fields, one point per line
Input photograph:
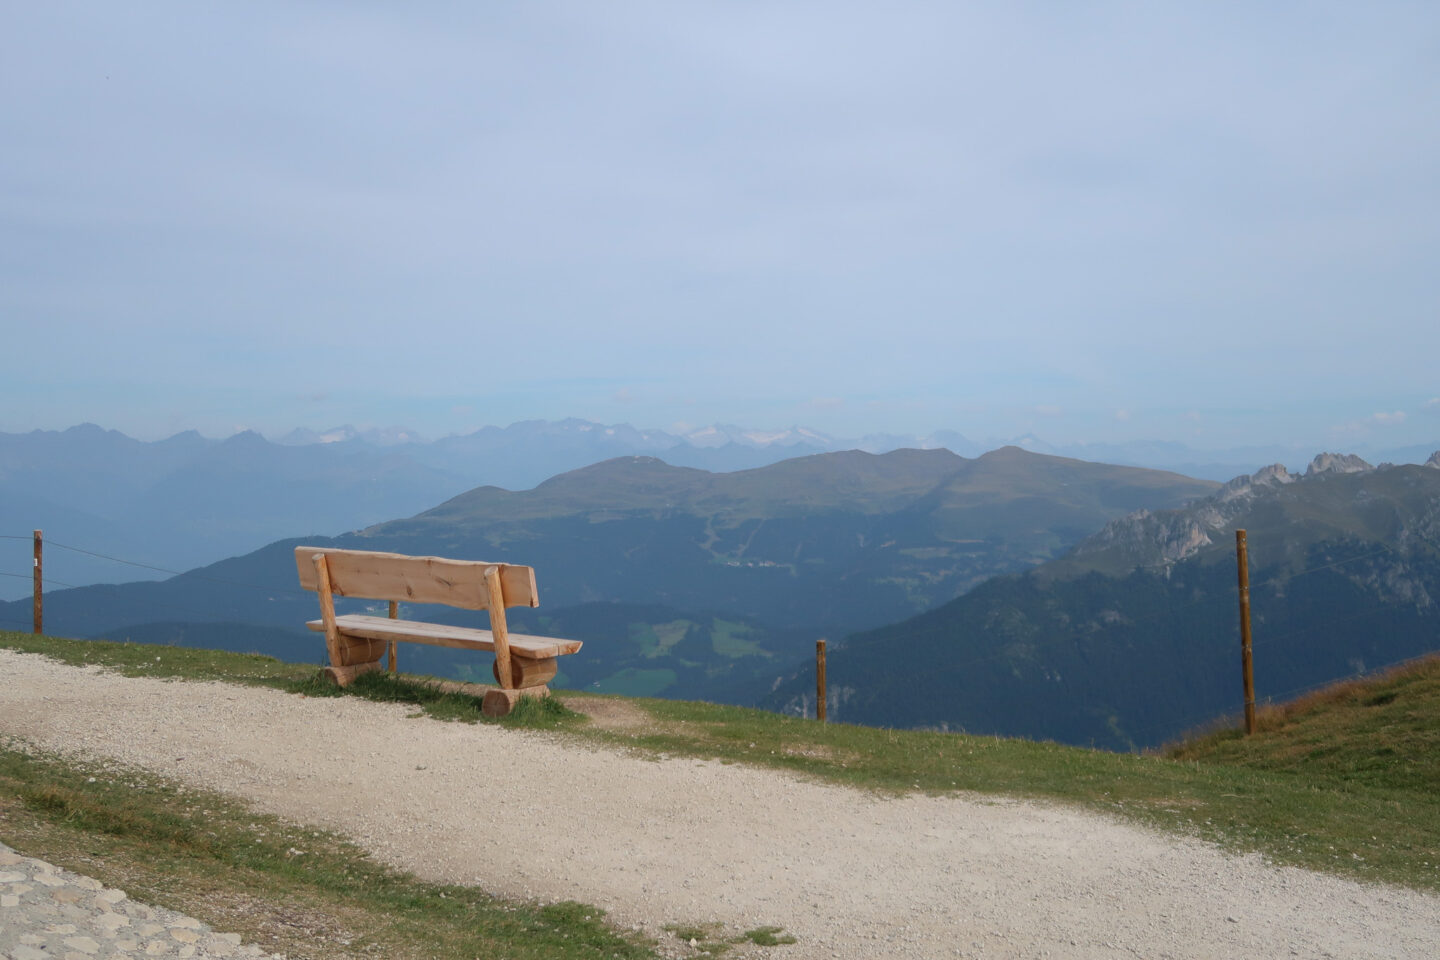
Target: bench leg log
x=499 y=703
x=344 y=676
x=525 y=672
x=527 y=679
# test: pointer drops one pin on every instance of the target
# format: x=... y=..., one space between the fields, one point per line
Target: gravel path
x=681 y=841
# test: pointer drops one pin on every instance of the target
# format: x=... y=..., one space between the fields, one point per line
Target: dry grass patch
x=611 y=713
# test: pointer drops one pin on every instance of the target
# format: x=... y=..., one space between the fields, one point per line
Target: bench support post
x=327 y=608
x=339 y=672
x=498 y=628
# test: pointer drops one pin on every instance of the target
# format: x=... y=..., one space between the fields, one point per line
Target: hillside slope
x=1380 y=732
x=1132 y=637
x=832 y=541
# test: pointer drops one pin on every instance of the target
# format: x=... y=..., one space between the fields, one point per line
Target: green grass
x=768 y=936
x=708 y=939
x=147 y=660
x=728 y=640
x=667 y=635
x=548 y=713
x=1381 y=733
x=1347 y=782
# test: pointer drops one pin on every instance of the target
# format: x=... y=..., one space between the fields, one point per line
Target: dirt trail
x=681 y=841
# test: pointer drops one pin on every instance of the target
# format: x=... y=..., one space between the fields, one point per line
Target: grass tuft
x=703 y=938
x=768 y=936
x=542 y=713
x=437 y=701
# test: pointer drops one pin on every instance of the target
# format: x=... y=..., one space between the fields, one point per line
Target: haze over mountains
x=727 y=575
x=189 y=500
x=723 y=447
x=1131 y=637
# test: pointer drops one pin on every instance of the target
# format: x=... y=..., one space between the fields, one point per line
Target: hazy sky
x=1210 y=222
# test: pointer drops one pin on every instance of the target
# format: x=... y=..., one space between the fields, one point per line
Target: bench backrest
x=395 y=576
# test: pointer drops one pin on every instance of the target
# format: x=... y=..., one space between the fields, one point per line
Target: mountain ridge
x=803 y=548
x=1130 y=637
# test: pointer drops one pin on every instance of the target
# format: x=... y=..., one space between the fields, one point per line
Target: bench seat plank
x=440 y=635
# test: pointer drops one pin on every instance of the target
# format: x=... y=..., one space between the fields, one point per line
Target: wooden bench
x=355 y=642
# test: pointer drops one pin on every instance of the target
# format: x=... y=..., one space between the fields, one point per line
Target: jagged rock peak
x=1241 y=486
x=1434 y=460
x=1275 y=473
x=1337 y=463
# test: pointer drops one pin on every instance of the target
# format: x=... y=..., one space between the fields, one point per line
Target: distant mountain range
x=724 y=447
x=692 y=583
x=827 y=541
x=1132 y=637
x=188 y=500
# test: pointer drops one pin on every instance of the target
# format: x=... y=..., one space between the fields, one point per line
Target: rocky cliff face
x=1337 y=463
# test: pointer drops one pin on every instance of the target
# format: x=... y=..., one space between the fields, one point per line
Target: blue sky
x=1214 y=222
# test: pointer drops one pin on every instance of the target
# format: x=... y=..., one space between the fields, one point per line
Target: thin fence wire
x=46 y=581
x=177 y=573
x=169 y=606
x=150 y=566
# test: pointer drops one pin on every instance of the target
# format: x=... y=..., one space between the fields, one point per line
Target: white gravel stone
x=27 y=928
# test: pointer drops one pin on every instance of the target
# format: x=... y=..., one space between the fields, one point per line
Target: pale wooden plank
x=440 y=635
x=394 y=576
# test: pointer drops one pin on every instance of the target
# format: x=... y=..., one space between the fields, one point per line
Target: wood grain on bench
x=355 y=642
x=395 y=576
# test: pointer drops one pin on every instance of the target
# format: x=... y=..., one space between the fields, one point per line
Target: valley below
x=1015 y=593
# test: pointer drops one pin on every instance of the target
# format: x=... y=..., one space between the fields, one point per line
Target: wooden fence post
x=39 y=611
x=820 y=679
x=1242 y=560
